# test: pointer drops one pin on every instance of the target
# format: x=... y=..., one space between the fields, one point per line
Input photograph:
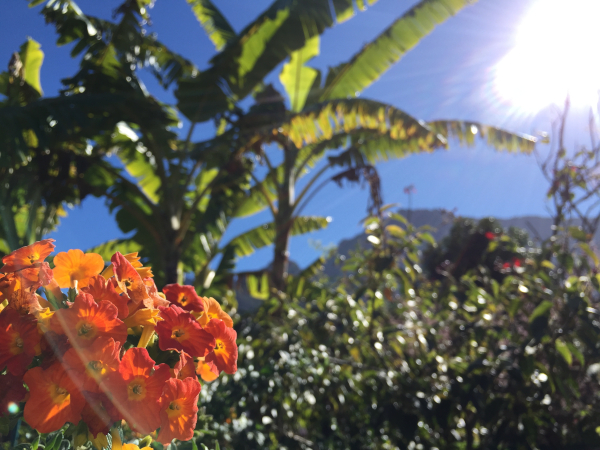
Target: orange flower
x=184 y=368
x=53 y=399
x=27 y=256
x=99 y=413
x=212 y=310
x=94 y=363
x=136 y=389
x=40 y=274
x=24 y=301
x=19 y=339
x=207 y=370
x=128 y=279
x=179 y=410
x=53 y=347
x=134 y=260
x=155 y=299
x=12 y=391
x=184 y=296
x=76 y=266
x=225 y=353
x=102 y=290
x=86 y=320
x=179 y=331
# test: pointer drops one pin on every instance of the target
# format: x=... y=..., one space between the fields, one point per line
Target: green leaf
x=547 y=264
x=256 y=197
x=258 y=287
x=575 y=351
x=263 y=235
x=71 y=294
x=307 y=224
x=563 y=349
x=139 y=167
x=32 y=58
x=379 y=55
x=541 y=310
x=53 y=440
x=109 y=248
x=56 y=303
x=578 y=234
x=467 y=132
x=395 y=231
x=588 y=251
x=298 y=78
x=214 y=23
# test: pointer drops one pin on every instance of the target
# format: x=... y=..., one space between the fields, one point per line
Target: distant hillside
x=539 y=228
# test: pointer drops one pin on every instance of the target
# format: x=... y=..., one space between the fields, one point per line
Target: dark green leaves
x=286 y=26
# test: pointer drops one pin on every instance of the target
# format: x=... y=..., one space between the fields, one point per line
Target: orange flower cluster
x=84 y=357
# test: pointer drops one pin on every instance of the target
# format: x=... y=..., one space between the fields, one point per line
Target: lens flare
x=13 y=408
x=554 y=56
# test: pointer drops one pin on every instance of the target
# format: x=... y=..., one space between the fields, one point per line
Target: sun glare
x=556 y=54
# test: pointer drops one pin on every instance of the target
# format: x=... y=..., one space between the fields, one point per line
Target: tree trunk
x=171 y=266
x=284 y=220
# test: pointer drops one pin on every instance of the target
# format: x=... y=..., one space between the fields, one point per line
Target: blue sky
x=448 y=75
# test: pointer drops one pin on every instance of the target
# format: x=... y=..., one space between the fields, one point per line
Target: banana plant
x=178 y=196
x=34 y=185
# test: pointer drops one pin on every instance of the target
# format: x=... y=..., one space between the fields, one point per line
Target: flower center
x=136 y=390
x=32 y=258
x=177 y=334
x=58 y=394
x=85 y=330
x=175 y=409
x=219 y=345
x=17 y=344
x=183 y=300
x=96 y=366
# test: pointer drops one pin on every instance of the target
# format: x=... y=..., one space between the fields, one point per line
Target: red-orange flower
x=87 y=320
x=136 y=389
x=76 y=266
x=184 y=296
x=19 y=339
x=27 y=256
x=212 y=310
x=128 y=279
x=179 y=331
x=12 y=392
x=102 y=290
x=99 y=413
x=179 y=410
x=225 y=353
x=94 y=363
x=53 y=399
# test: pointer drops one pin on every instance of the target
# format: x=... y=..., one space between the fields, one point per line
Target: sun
x=556 y=54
